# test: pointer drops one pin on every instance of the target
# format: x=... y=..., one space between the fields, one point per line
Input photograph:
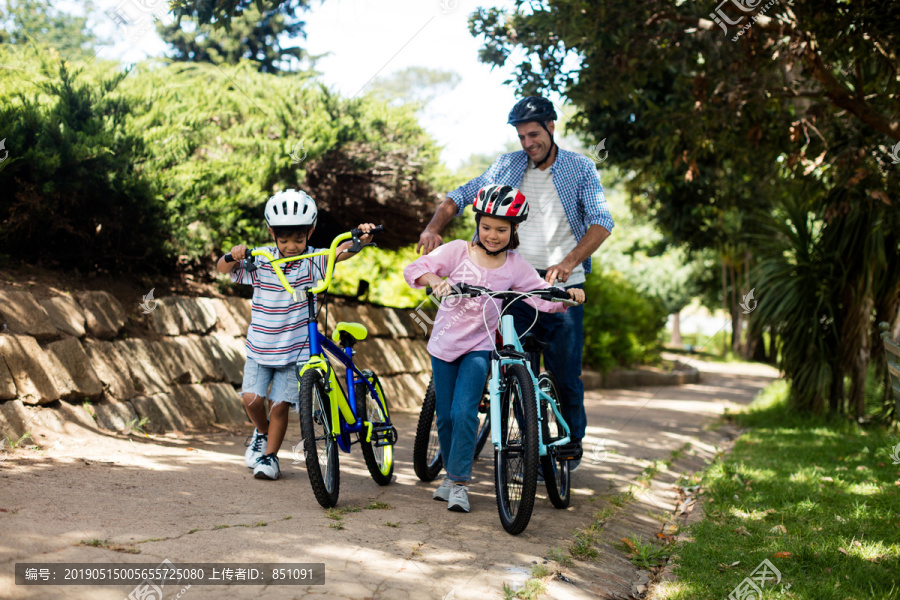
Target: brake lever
x=357 y=245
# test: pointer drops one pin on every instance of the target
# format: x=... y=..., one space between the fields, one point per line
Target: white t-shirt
x=545 y=238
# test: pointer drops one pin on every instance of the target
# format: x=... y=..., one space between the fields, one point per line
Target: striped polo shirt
x=278 y=334
x=545 y=237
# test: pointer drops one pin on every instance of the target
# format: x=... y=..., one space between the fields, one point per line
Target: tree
x=414 y=85
x=221 y=12
x=722 y=129
x=37 y=21
x=253 y=35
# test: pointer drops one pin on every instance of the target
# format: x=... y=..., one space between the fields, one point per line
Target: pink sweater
x=459 y=327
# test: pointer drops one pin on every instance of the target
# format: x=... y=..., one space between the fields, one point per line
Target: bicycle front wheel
x=515 y=465
x=319 y=442
x=427 y=462
x=379 y=459
x=555 y=471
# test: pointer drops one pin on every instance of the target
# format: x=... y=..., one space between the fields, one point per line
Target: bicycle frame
x=513 y=353
x=343 y=404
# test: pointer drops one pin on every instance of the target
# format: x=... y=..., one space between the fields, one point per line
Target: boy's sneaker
x=443 y=492
x=267 y=467
x=256 y=447
x=459 y=498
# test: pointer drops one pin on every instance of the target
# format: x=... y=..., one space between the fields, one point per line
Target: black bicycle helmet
x=539 y=110
x=532 y=108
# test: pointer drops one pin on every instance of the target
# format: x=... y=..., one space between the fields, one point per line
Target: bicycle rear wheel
x=379 y=459
x=319 y=442
x=484 y=422
x=427 y=462
x=515 y=466
x=555 y=471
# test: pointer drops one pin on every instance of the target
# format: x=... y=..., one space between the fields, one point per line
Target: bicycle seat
x=530 y=343
x=355 y=330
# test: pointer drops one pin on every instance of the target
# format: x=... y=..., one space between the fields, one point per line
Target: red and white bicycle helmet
x=501 y=201
x=291 y=208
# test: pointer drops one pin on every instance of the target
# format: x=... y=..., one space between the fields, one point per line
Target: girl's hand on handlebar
x=576 y=294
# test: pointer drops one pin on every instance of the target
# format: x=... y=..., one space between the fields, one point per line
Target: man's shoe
x=459 y=498
x=443 y=492
x=256 y=447
x=267 y=467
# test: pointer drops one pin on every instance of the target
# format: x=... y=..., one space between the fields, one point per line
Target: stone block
x=22 y=313
x=164 y=318
x=65 y=314
x=7 y=383
x=111 y=366
x=114 y=416
x=198 y=315
x=195 y=403
x=393 y=355
x=373 y=319
x=103 y=315
x=147 y=374
x=78 y=413
x=77 y=368
x=370 y=356
x=203 y=366
x=227 y=405
x=417 y=357
x=14 y=420
x=227 y=319
x=397 y=323
x=170 y=356
x=229 y=352
x=161 y=411
x=28 y=366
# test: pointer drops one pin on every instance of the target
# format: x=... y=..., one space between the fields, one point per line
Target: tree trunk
x=836 y=398
x=756 y=349
x=725 y=304
x=736 y=316
x=676 y=329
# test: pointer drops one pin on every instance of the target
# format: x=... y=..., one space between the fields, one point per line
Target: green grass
x=378 y=506
x=818 y=498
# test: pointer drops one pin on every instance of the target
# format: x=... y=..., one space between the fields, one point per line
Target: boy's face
x=292 y=244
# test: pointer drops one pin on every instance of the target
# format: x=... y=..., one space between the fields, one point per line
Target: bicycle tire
x=484 y=425
x=427 y=461
x=556 y=472
x=519 y=457
x=379 y=459
x=319 y=443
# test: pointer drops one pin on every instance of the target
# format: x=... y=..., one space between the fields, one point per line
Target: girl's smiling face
x=494 y=233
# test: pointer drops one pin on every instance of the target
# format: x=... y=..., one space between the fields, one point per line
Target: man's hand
x=428 y=241
x=576 y=294
x=562 y=271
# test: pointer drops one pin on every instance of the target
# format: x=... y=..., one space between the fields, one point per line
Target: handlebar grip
x=358 y=232
x=560 y=293
x=229 y=258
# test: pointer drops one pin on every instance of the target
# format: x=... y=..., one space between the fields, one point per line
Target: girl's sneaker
x=256 y=446
x=459 y=498
x=443 y=492
x=267 y=467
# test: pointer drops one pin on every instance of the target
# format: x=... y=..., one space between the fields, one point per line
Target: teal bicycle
x=527 y=426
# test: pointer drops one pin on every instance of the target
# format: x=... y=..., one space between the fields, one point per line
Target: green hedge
x=621 y=326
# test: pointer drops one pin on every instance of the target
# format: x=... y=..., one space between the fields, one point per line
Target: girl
x=460 y=345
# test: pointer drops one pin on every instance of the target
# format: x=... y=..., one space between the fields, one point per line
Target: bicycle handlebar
x=321 y=285
x=551 y=293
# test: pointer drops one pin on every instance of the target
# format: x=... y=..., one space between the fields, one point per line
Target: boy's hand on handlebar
x=366 y=228
x=576 y=294
x=239 y=252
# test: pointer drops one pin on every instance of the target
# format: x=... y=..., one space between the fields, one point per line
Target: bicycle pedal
x=385 y=435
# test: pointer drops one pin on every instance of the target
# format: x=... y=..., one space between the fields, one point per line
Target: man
x=570 y=222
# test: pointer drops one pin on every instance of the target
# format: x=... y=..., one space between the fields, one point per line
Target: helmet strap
x=480 y=245
x=552 y=145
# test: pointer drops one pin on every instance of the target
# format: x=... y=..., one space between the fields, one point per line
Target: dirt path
x=191 y=499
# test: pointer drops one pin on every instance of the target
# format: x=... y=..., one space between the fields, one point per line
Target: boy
x=278 y=336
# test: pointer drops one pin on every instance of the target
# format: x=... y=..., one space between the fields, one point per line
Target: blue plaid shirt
x=574 y=177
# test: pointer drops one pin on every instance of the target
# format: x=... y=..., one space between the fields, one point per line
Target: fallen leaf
x=724 y=567
x=630 y=544
x=840 y=519
x=742 y=531
x=779 y=529
x=782 y=555
x=189 y=449
x=842 y=551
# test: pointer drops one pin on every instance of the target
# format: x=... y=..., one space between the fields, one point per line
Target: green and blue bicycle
x=329 y=412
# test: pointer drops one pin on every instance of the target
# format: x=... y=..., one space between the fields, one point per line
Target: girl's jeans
x=458 y=386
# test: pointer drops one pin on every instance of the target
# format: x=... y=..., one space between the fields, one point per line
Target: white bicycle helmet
x=291 y=208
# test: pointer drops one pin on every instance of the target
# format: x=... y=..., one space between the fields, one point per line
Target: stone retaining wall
x=180 y=368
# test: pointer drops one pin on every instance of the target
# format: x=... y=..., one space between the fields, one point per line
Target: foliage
x=38 y=22
x=414 y=85
x=720 y=129
x=74 y=180
x=621 y=326
x=222 y=12
x=256 y=36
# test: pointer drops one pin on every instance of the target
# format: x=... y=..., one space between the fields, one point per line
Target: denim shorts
x=283 y=380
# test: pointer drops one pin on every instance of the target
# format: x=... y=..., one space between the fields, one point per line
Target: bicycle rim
x=427 y=461
x=556 y=472
x=379 y=459
x=318 y=442
x=515 y=466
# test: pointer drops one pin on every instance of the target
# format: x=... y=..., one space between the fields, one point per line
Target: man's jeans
x=458 y=387
x=565 y=334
